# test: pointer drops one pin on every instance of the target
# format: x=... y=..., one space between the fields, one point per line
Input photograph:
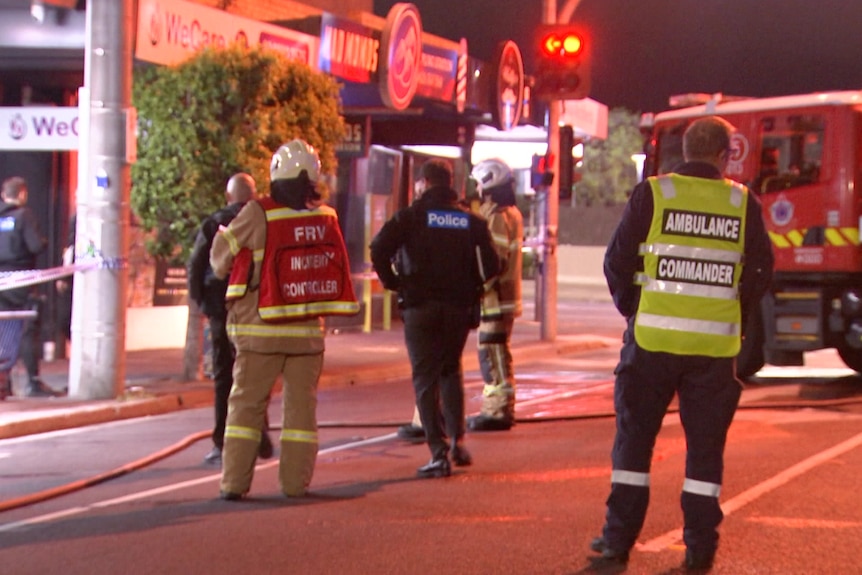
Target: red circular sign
x=400 y=56
x=509 y=92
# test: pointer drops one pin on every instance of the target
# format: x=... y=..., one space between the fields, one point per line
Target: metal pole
x=97 y=365
x=548 y=322
x=568 y=9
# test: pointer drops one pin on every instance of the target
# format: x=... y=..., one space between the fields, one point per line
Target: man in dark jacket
x=688 y=261
x=20 y=243
x=208 y=292
x=442 y=256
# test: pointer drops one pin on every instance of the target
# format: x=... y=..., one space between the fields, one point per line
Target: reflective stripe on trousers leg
x=704 y=488
x=238 y=432
x=299 y=435
x=635 y=478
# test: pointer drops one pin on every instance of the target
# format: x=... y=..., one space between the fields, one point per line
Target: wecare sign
x=169 y=31
x=38 y=128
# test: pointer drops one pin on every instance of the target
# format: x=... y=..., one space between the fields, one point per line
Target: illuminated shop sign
x=348 y=50
x=400 y=56
x=38 y=128
x=437 y=74
x=509 y=91
x=169 y=32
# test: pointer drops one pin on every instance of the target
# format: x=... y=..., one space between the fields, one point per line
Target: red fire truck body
x=802 y=156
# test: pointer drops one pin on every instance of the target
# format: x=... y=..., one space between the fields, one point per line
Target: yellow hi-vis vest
x=689 y=301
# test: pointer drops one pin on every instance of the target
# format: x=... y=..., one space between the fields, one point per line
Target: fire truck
x=802 y=157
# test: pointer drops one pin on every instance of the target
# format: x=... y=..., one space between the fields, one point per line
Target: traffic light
x=563 y=63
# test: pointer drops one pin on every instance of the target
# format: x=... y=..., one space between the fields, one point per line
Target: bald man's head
x=240 y=188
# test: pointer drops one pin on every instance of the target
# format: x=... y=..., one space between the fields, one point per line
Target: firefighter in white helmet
x=501 y=303
x=274 y=315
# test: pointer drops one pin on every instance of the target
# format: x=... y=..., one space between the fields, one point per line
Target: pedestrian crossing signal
x=541 y=174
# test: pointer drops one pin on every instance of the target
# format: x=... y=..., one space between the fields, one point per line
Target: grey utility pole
x=97 y=363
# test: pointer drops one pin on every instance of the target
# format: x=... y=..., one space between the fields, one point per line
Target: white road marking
x=173 y=487
x=673 y=537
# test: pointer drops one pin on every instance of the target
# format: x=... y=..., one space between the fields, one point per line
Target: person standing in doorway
x=687 y=263
x=208 y=292
x=437 y=256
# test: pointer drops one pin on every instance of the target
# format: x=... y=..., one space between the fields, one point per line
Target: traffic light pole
x=548 y=233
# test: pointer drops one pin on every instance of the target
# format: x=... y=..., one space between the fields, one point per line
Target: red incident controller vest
x=305 y=271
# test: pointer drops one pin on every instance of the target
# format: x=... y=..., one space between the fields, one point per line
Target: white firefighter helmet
x=491 y=173
x=291 y=159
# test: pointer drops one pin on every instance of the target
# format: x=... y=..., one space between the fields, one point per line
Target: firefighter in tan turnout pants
x=501 y=302
x=288 y=266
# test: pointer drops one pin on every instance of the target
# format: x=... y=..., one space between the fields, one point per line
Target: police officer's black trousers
x=30 y=352
x=435 y=334
x=223 y=360
x=708 y=396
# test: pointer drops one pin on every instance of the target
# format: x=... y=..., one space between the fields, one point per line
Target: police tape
x=23 y=278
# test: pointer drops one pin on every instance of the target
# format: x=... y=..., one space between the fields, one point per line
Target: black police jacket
x=205 y=288
x=20 y=239
x=435 y=250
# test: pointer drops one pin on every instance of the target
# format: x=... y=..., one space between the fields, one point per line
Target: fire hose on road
x=191 y=439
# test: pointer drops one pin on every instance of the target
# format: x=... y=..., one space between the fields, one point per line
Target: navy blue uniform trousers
x=708 y=397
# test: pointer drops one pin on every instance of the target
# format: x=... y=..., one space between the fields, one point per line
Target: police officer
x=274 y=316
x=20 y=243
x=501 y=301
x=443 y=255
x=696 y=247
x=208 y=292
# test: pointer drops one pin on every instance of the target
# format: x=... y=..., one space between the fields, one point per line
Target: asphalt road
x=529 y=505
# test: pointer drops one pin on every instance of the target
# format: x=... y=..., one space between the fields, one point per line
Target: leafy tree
x=218 y=113
x=608 y=172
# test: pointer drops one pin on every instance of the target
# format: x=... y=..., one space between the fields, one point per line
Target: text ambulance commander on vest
x=688 y=261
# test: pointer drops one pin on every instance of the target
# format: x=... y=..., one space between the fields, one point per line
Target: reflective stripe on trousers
x=704 y=488
x=299 y=435
x=239 y=432
x=633 y=478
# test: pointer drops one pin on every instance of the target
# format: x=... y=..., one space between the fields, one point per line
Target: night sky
x=646 y=50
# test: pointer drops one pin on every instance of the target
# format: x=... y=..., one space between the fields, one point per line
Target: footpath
x=154 y=384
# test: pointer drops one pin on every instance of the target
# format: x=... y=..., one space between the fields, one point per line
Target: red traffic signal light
x=563 y=62
x=566 y=44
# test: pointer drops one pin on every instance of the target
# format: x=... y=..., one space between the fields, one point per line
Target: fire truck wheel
x=851 y=356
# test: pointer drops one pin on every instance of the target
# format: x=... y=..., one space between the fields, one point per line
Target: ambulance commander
x=687 y=262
